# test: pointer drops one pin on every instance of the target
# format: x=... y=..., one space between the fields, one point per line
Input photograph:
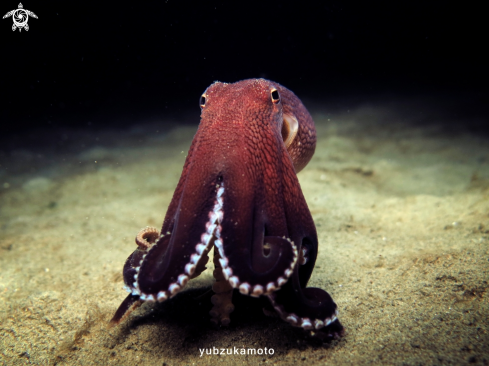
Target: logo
x=20 y=17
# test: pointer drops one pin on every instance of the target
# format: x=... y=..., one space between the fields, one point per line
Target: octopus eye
x=202 y=101
x=275 y=96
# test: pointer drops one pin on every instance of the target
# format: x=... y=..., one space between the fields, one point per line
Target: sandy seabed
x=401 y=206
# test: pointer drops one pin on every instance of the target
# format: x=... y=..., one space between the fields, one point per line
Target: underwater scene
x=398 y=190
x=242 y=183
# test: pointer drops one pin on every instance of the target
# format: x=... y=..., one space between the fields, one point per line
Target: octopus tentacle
x=144 y=279
x=200 y=266
x=129 y=304
x=309 y=308
x=164 y=272
x=303 y=256
x=147 y=237
x=223 y=297
x=262 y=274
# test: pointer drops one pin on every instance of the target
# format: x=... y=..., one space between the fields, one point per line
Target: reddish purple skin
x=240 y=143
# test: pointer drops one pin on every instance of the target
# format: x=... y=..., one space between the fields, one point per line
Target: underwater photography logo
x=20 y=17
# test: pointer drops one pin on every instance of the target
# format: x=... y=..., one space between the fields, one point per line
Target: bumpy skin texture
x=239 y=193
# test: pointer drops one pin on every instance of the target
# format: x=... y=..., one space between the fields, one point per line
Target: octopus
x=239 y=195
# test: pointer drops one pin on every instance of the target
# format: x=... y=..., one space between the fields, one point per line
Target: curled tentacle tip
x=147 y=237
